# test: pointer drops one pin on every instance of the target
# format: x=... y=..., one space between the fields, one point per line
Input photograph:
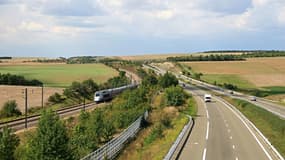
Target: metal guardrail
x=111 y=149
x=177 y=146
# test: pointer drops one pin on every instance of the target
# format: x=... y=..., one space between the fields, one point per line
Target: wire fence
x=111 y=149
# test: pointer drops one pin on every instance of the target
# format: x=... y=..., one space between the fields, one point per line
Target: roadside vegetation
x=269 y=124
x=169 y=108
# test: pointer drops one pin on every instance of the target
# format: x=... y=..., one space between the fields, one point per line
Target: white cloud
x=67 y=19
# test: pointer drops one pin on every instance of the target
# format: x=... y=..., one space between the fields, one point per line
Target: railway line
x=31 y=121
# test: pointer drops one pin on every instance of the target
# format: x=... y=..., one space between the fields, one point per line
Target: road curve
x=220 y=134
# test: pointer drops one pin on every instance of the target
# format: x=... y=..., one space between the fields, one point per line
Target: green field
x=232 y=79
x=61 y=75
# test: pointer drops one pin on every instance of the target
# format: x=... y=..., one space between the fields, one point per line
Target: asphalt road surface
x=220 y=133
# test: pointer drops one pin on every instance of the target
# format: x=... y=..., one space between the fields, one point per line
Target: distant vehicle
x=231 y=92
x=108 y=94
x=207 y=98
x=252 y=98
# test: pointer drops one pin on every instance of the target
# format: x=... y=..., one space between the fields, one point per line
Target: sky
x=54 y=28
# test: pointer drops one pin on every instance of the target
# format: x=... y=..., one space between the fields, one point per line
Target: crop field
x=34 y=95
x=60 y=75
x=255 y=72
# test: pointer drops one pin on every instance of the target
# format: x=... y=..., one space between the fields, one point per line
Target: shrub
x=174 y=96
x=55 y=98
x=10 y=109
x=168 y=80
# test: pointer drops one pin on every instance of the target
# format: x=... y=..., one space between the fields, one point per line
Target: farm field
x=34 y=95
x=259 y=72
x=60 y=75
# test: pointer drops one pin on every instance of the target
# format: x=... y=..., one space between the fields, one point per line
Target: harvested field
x=260 y=72
x=34 y=95
x=60 y=75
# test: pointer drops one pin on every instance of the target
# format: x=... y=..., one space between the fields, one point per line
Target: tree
x=88 y=88
x=149 y=80
x=168 y=80
x=8 y=143
x=51 y=140
x=174 y=96
x=10 y=109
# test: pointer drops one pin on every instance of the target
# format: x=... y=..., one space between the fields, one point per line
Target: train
x=108 y=94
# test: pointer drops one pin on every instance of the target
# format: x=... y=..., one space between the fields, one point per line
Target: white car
x=252 y=98
x=207 y=98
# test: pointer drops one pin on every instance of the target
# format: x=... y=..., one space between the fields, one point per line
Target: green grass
x=274 y=90
x=232 y=79
x=61 y=75
x=269 y=124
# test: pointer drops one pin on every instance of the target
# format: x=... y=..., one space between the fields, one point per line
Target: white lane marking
x=236 y=158
x=196 y=143
x=207 y=113
x=229 y=130
x=259 y=143
x=207 y=133
x=234 y=146
x=204 y=153
x=227 y=125
x=231 y=137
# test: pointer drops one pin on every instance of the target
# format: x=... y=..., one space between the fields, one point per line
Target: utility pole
x=84 y=103
x=42 y=95
x=26 y=108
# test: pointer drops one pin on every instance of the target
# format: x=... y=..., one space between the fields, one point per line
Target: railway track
x=20 y=123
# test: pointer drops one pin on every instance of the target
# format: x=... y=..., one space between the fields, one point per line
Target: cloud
x=50 y=21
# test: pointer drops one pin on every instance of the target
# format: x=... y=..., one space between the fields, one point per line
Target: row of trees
x=211 y=57
x=10 y=79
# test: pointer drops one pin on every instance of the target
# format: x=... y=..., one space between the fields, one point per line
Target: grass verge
x=269 y=124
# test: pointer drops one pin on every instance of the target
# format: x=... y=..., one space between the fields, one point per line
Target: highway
x=220 y=133
x=274 y=108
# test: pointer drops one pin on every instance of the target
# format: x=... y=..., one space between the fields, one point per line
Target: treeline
x=240 y=51
x=212 y=57
x=56 y=60
x=5 y=57
x=10 y=79
x=82 y=60
x=264 y=54
x=228 y=57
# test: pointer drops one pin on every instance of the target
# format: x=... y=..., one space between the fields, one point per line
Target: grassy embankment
x=147 y=144
x=269 y=124
x=61 y=75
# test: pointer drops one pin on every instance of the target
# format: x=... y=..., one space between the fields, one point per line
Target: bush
x=8 y=143
x=10 y=109
x=55 y=98
x=230 y=86
x=175 y=96
x=168 y=80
